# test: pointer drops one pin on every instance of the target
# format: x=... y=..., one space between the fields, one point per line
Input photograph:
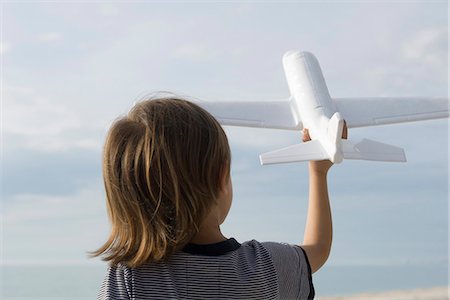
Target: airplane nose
x=299 y=54
x=290 y=52
x=290 y=55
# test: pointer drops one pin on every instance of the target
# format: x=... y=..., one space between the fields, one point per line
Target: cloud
x=22 y=209
x=427 y=46
x=108 y=9
x=31 y=113
x=65 y=226
x=5 y=47
x=243 y=9
x=41 y=123
x=28 y=171
x=416 y=65
x=194 y=52
x=49 y=37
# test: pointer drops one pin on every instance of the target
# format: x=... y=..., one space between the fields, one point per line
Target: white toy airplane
x=310 y=106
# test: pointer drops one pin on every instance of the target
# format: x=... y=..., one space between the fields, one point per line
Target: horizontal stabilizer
x=306 y=151
x=372 y=150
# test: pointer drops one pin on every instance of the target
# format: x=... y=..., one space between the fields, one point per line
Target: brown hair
x=162 y=169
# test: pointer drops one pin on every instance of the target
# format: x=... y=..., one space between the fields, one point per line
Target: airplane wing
x=370 y=111
x=274 y=114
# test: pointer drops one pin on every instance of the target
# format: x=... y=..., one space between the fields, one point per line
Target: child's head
x=164 y=164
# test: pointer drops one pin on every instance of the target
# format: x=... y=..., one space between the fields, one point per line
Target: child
x=166 y=170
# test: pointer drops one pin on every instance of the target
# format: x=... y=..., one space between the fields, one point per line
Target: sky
x=69 y=69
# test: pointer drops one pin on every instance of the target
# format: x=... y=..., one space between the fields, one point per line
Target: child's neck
x=208 y=235
x=209 y=231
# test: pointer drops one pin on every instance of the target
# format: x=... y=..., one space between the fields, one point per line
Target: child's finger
x=345 y=131
x=306 y=136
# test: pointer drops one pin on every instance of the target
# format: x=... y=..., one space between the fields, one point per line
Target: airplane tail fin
x=372 y=150
x=306 y=151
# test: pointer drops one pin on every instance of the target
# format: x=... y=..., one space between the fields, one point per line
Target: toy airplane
x=310 y=106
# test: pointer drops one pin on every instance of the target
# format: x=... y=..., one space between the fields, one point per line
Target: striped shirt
x=224 y=270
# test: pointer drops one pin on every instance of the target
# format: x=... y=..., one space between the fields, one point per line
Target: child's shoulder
x=275 y=247
x=279 y=253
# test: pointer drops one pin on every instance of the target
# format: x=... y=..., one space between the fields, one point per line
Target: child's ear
x=224 y=175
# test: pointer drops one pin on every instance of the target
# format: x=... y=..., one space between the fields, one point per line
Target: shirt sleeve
x=116 y=284
x=293 y=270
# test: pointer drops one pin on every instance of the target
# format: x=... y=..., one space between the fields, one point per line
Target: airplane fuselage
x=312 y=102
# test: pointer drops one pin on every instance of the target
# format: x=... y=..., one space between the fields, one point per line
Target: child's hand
x=321 y=166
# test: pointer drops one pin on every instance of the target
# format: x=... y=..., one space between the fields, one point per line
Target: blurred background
x=69 y=69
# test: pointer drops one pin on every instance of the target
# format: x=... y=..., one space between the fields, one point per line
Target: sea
x=64 y=282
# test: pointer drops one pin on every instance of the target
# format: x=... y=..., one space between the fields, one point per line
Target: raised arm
x=319 y=230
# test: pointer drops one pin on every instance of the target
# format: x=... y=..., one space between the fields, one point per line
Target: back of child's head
x=163 y=165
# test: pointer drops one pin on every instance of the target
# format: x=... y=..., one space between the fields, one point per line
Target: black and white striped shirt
x=225 y=270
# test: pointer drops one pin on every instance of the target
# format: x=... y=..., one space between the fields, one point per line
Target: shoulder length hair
x=162 y=169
